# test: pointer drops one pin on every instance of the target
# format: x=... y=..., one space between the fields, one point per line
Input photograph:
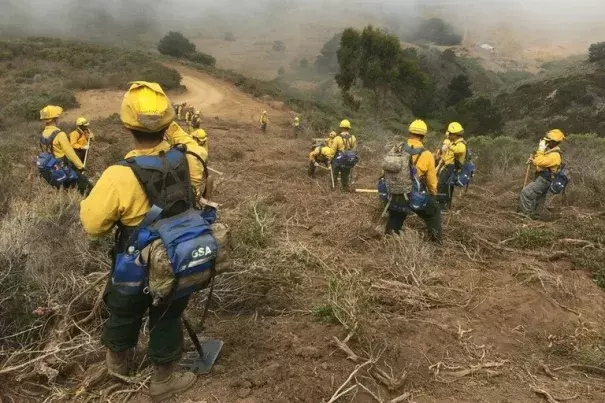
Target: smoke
x=111 y=20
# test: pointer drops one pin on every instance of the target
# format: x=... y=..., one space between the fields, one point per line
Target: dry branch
x=549 y=397
x=338 y=394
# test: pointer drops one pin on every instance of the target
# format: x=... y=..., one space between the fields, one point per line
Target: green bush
x=202 y=58
x=437 y=31
x=175 y=44
x=28 y=107
x=596 y=52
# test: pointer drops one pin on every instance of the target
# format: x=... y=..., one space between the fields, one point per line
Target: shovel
x=200 y=362
x=87 y=150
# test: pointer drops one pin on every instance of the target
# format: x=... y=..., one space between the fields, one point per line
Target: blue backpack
x=347 y=158
x=466 y=173
x=60 y=173
x=560 y=180
x=173 y=221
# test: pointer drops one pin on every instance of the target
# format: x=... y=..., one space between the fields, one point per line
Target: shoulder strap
x=165 y=180
x=46 y=142
x=204 y=164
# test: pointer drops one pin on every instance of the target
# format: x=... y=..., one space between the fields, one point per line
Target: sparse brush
x=258 y=225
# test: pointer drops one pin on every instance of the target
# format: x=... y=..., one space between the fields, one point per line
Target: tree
x=327 y=61
x=279 y=46
x=458 y=90
x=437 y=31
x=596 y=52
x=304 y=63
x=477 y=115
x=374 y=61
x=175 y=44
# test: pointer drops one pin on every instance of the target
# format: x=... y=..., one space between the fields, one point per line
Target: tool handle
x=366 y=190
x=193 y=337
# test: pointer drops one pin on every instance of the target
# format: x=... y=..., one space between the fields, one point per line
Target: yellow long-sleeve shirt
x=455 y=152
x=425 y=165
x=79 y=139
x=62 y=147
x=321 y=154
x=118 y=196
x=264 y=119
x=340 y=144
x=549 y=160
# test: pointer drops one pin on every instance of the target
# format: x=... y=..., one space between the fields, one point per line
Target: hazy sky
x=548 y=17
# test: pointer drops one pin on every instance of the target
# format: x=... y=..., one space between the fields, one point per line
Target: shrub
x=229 y=37
x=279 y=46
x=596 y=52
x=175 y=44
x=202 y=58
x=437 y=31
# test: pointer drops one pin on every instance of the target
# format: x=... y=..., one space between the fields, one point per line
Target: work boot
x=117 y=363
x=165 y=383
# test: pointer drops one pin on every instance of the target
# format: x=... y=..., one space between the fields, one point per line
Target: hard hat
x=197 y=112
x=345 y=124
x=419 y=127
x=146 y=107
x=455 y=128
x=82 y=121
x=199 y=134
x=555 y=135
x=332 y=134
x=328 y=152
x=296 y=118
x=50 y=112
x=264 y=112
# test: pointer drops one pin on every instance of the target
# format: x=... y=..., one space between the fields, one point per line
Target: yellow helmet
x=264 y=112
x=345 y=124
x=50 y=112
x=455 y=128
x=555 y=135
x=328 y=152
x=332 y=134
x=82 y=121
x=197 y=111
x=146 y=108
x=419 y=127
x=297 y=118
x=199 y=134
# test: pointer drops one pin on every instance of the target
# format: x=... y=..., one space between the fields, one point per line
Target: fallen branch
x=585 y=368
x=548 y=372
x=347 y=350
x=549 y=397
x=338 y=394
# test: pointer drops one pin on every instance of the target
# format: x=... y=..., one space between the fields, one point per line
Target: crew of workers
x=414 y=180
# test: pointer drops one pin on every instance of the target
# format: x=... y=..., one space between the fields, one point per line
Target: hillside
x=506 y=310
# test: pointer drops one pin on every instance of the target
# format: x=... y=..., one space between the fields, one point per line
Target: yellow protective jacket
x=175 y=135
x=549 y=160
x=202 y=143
x=118 y=196
x=188 y=117
x=62 y=147
x=179 y=112
x=455 y=153
x=342 y=142
x=321 y=154
x=79 y=139
x=425 y=164
x=264 y=119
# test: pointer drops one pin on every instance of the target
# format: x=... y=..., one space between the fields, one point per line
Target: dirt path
x=213 y=97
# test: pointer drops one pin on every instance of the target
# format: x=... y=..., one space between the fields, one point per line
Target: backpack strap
x=46 y=143
x=160 y=174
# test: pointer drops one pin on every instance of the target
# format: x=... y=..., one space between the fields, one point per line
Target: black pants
x=121 y=331
x=445 y=187
x=431 y=216
x=345 y=175
x=80 y=153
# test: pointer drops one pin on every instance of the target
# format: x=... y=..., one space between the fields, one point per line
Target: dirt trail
x=213 y=97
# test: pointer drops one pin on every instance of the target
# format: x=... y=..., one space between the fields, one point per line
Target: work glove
x=542 y=145
x=86 y=147
x=530 y=160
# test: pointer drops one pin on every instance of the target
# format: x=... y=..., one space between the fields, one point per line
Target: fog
x=110 y=20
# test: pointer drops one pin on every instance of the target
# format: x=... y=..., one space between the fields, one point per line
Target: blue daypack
x=173 y=221
x=60 y=172
x=465 y=175
x=346 y=159
x=560 y=180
